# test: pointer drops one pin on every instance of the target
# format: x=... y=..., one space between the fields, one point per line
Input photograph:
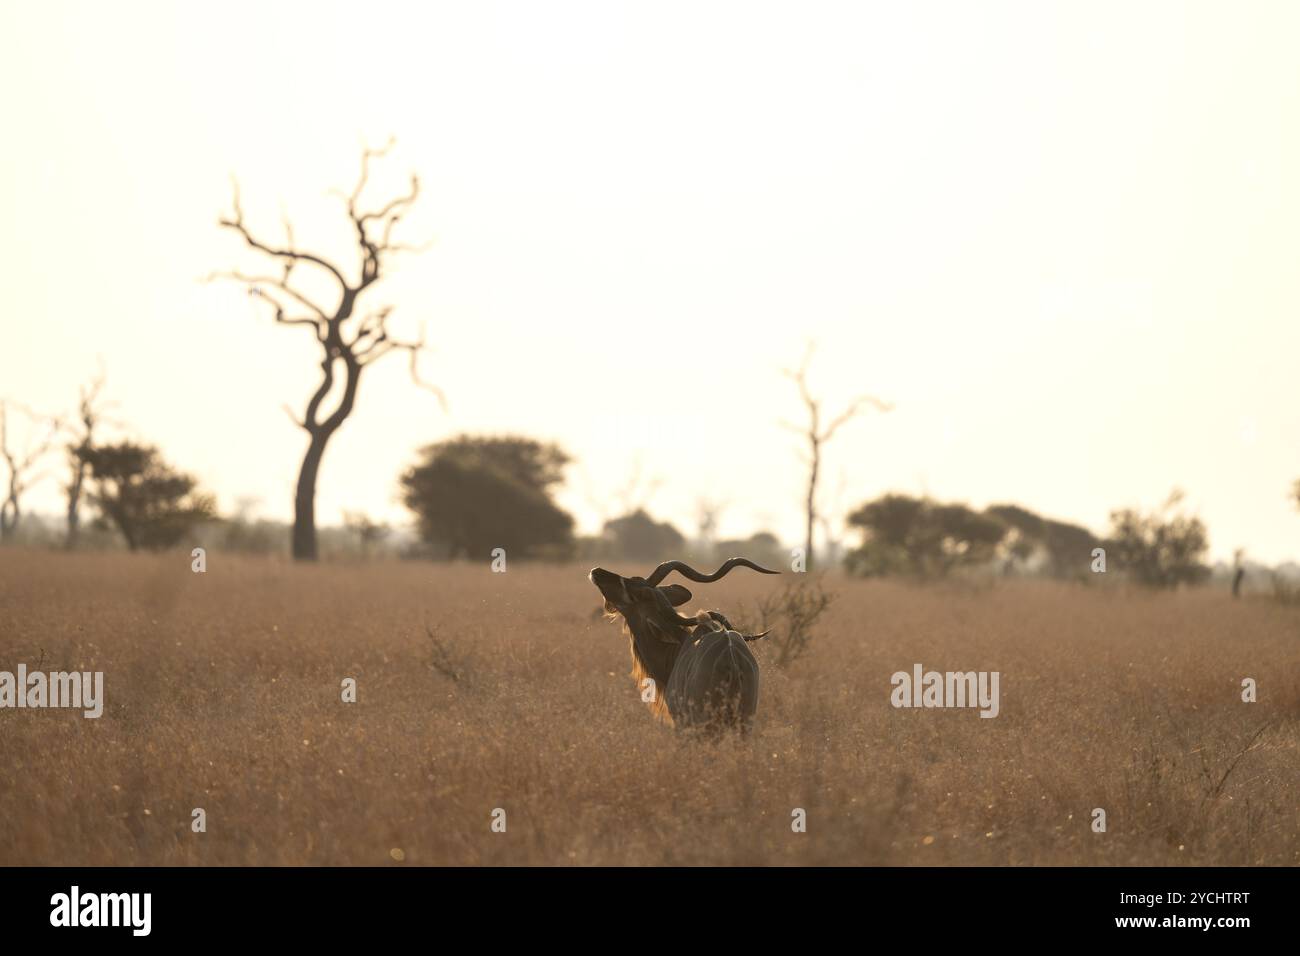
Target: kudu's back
x=714 y=685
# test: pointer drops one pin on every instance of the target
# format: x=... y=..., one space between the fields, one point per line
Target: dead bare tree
x=90 y=415
x=21 y=462
x=350 y=340
x=818 y=435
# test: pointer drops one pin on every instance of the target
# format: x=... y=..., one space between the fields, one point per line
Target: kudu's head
x=649 y=610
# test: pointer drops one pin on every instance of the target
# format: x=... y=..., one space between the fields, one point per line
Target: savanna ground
x=224 y=692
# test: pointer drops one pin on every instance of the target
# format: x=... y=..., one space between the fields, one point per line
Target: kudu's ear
x=676 y=594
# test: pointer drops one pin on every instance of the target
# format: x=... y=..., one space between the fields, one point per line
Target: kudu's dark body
x=714 y=682
x=705 y=676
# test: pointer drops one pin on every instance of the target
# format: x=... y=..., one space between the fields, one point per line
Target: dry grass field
x=223 y=692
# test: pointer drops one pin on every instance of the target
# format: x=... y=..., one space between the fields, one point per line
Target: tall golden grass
x=479 y=691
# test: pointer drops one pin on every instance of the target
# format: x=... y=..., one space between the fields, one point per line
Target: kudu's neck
x=655 y=656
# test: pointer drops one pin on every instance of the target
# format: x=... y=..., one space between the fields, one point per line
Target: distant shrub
x=135 y=491
x=1044 y=546
x=475 y=494
x=921 y=538
x=1161 y=549
x=763 y=547
x=1286 y=590
x=638 y=537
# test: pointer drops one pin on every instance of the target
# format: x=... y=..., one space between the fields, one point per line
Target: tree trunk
x=812 y=505
x=10 y=513
x=74 y=506
x=304 y=504
x=128 y=532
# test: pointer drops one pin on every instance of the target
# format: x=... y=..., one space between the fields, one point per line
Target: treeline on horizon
x=471 y=495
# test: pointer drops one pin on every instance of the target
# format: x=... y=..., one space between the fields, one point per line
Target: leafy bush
x=136 y=491
x=475 y=494
x=914 y=536
x=1161 y=549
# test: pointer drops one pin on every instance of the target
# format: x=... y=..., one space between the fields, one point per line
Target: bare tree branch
x=373 y=327
x=859 y=405
x=367 y=154
x=387 y=216
x=257 y=283
x=318 y=325
x=392 y=212
x=394 y=247
x=237 y=223
x=419 y=381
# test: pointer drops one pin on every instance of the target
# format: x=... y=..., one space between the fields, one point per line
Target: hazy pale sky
x=1062 y=238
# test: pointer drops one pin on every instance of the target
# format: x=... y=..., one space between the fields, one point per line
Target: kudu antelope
x=704 y=674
